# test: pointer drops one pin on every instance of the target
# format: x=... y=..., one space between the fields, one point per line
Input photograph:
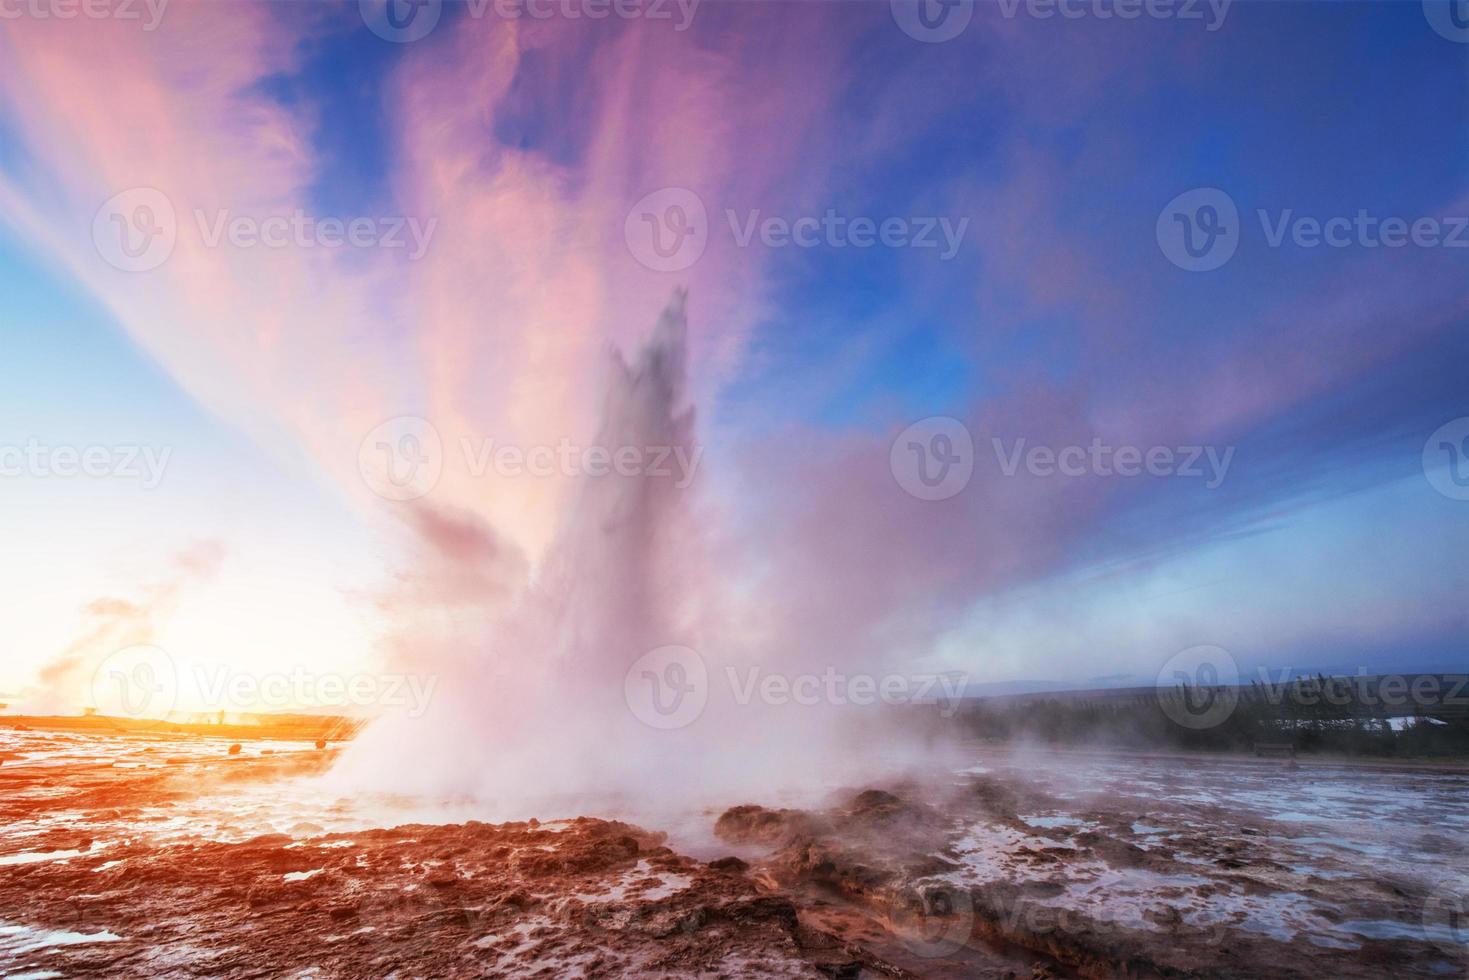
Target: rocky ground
x=106 y=869
x=583 y=897
x=955 y=897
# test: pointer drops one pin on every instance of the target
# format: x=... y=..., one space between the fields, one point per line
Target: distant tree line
x=1314 y=714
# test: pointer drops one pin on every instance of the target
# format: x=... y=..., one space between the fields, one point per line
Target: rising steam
x=532 y=715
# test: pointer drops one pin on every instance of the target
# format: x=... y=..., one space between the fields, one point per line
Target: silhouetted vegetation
x=1317 y=714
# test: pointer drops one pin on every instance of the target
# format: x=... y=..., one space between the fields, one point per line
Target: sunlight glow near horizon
x=262 y=370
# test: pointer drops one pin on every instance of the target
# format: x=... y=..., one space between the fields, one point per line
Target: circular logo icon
x=667 y=687
x=1199 y=229
x=1450 y=18
x=401 y=21
x=1446 y=918
x=934 y=921
x=932 y=21
x=401 y=459
x=136 y=230
x=136 y=682
x=667 y=230
x=1446 y=459
x=933 y=459
x=1199 y=687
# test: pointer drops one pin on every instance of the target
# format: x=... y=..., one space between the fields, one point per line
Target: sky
x=995 y=233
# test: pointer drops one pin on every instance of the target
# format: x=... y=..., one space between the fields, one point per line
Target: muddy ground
x=104 y=872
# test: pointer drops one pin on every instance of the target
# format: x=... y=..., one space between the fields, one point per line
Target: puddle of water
x=1051 y=823
x=623 y=888
x=302 y=875
x=34 y=857
x=18 y=940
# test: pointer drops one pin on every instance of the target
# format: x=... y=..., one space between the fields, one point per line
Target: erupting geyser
x=534 y=708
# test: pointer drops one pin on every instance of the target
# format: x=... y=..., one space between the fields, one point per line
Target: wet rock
x=767 y=908
x=756 y=825
x=732 y=865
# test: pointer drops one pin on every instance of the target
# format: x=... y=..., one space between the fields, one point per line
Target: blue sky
x=1059 y=318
